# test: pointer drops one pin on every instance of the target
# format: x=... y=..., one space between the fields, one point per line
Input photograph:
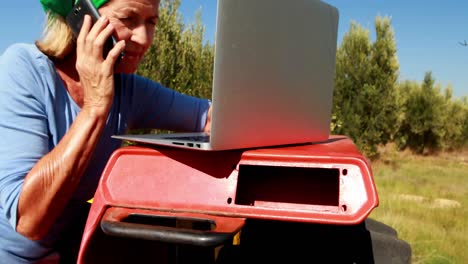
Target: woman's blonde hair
x=57 y=39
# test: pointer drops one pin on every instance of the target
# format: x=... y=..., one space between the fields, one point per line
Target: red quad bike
x=304 y=203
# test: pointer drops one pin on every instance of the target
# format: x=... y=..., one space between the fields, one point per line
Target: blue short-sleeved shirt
x=35 y=113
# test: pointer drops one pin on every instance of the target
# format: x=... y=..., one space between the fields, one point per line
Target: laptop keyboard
x=200 y=138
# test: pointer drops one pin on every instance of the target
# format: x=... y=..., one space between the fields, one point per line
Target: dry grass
x=424 y=198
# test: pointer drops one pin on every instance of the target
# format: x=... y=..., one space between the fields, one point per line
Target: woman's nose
x=141 y=35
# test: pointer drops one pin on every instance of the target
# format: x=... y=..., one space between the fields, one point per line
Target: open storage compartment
x=287 y=185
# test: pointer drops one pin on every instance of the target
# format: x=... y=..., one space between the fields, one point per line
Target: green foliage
x=177 y=57
x=432 y=121
x=197 y=61
x=352 y=68
x=456 y=123
x=365 y=103
x=384 y=76
x=372 y=108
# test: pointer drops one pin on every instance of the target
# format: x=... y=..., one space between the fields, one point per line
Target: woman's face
x=134 y=21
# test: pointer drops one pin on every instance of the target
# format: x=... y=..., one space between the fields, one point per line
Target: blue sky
x=427 y=32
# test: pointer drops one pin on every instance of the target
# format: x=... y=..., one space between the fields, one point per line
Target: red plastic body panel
x=329 y=182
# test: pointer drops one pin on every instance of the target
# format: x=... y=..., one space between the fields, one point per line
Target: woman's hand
x=207 y=127
x=96 y=73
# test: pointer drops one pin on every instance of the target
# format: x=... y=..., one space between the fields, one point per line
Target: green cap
x=63 y=7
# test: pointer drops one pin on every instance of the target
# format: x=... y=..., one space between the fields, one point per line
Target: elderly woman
x=60 y=102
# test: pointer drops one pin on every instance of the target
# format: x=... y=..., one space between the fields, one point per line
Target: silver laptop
x=273 y=76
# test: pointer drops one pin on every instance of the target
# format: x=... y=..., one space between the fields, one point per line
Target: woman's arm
x=50 y=184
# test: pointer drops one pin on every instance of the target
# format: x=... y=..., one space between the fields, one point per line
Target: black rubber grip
x=115 y=223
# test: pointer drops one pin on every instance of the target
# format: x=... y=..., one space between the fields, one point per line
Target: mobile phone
x=76 y=17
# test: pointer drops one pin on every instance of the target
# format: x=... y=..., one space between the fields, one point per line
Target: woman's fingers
x=96 y=72
x=85 y=28
x=92 y=42
x=97 y=36
x=114 y=54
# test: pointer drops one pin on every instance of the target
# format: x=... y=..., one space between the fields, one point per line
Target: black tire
x=281 y=242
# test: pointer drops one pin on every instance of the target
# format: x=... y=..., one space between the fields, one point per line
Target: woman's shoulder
x=23 y=51
x=23 y=59
x=26 y=66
